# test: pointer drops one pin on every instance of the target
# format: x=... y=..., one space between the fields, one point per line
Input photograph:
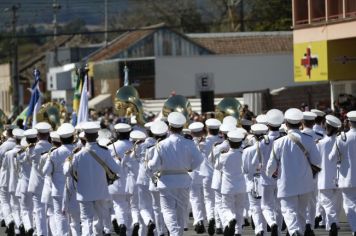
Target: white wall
x=235 y=73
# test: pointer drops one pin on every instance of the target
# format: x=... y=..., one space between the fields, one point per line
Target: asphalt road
x=344 y=230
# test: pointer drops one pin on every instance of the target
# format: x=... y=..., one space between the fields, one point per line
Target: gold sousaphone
x=128 y=104
x=228 y=107
x=177 y=103
x=53 y=113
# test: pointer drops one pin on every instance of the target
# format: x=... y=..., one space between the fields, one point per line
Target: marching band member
x=233 y=186
x=330 y=195
x=294 y=185
x=173 y=158
x=344 y=151
x=90 y=166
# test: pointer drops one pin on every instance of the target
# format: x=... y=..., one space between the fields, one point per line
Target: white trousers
x=156 y=204
x=330 y=200
x=256 y=213
x=271 y=209
x=232 y=205
x=197 y=202
x=26 y=207
x=122 y=209
x=6 y=206
x=209 y=198
x=135 y=212
x=15 y=210
x=174 y=205
x=294 y=212
x=349 y=204
x=39 y=211
x=61 y=218
x=52 y=229
x=311 y=209
x=145 y=204
x=74 y=217
x=91 y=211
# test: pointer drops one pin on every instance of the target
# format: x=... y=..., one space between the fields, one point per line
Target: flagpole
x=83 y=111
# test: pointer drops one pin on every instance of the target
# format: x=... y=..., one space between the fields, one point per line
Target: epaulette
x=224 y=151
x=246 y=147
x=319 y=134
x=103 y=147
x=307 y=135
x=188 y=136
x=53 y=148
x=77 y=149
x=148 y=147
x=343 y=136
x=32 y=145
x=128 y=152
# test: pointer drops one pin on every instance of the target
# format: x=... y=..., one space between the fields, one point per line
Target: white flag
x=83 y=105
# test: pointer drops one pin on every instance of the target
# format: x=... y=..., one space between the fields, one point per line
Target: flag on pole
x=77 y=91
x=83 y=105
x=126 y=76
x=35 y=101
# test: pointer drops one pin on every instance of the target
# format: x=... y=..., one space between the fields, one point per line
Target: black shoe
x=237 y=234
x=2 y=223
x=317 y=221
x=186 y=229
x=191 y=214
x=296 y=234
x=11 y=229
x=107 y=234
x=252 y=223
x=268 y=228
x=246 y=223
x=136 y=228
x=333 y=230
x=287 y=234
x=211 y=227
x=122 y=231
x=308 y=230
x=199 y=227
x=230 y=229
x=22 y=230
x=274 y=230
x=219 y=231
x=284 y=226
x=115 y=226
x=354 y=234
x=260 y=233
x=150 y=229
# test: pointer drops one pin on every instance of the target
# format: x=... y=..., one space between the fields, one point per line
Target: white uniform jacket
x=347 y=149
x=54 y=168
x=143 y=178
x=327 y=175
x=9 y=144
x=121 y=146
x=230 y=164
x=35 y=184
x=217 y=150
x=294 y=171
x=8 y=171
x=92 y=184
x=24 y=162
x=174 y=157
x=206 y=169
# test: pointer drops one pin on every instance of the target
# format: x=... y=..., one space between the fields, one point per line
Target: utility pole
x=56 y=7
x=14 y=61
x=242 y=16
x=106 y=21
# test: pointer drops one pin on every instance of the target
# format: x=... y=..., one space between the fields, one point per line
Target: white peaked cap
x=122 y=127
x=230 y=119
x=31 y=133
x=261 y=119
x=351 y=115
x=23 y=142
x=43 y=127
x=308 y=115
x=103 y=141
x=318 y=112
x=137 y=135
x=159 y=128
x=225 y=128
x=186 y=131
x=18 y=133
x=55 y=136
x=235 y=136
x=196 y=127
x=275 y=117
x=66 y=130
x=148 y=125
x=133 y=120
x=333 y=121
x=91 y=127
x=82 y=135
x=212 y=123
x=242 y=130
x=259 y=129
x=176 y=119
x=246 y=122
x=79 y=126
x=293 y=116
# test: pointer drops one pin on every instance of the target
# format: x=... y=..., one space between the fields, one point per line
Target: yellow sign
x=342 y=59
x=310 y=62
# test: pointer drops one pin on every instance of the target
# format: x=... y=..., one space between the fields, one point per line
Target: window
x=301 y=12
x=317 y=10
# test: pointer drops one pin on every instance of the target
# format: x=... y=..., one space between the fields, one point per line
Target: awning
x=101 y=102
